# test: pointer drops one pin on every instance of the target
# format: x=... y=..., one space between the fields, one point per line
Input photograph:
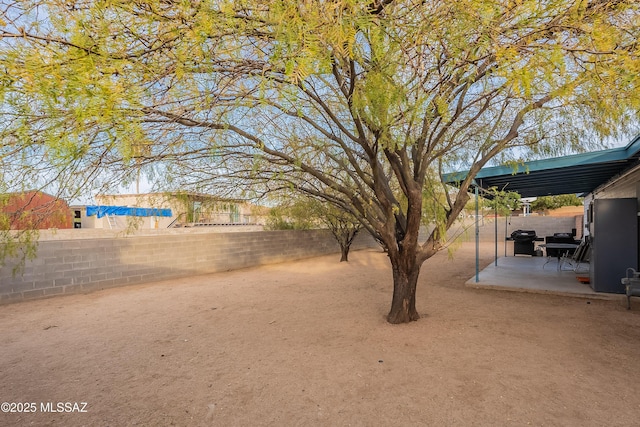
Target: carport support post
x=477 y=239
x=506 y=227
x=495 y=220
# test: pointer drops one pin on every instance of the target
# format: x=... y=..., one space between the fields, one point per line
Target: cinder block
x=54 y=276
x=98 y=277
x=71 y=289
x=30 y=276
x=48 y=250
x=71 y=258
x=68 y=245
x=88 y=257
x=22 y=278
x=9 y=298
x=41 y=284
x=119 y=270
x=81 y=280
x=82 y=265
x=21 y=287
x=71 y=274
x=109 y=283
x=63 y=281
x=36 y=293
x=36 y=262
x=52 y=260
x=54 y=291
x=101 y=262
x=55 y=268
x=144 y=270
x=87 y=272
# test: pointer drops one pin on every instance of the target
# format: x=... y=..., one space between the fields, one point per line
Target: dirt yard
x=306 y=343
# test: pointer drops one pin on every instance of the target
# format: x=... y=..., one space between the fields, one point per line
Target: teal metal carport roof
x=578 y=173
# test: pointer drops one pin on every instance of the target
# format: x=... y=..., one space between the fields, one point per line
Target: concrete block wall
x=79 y=265
x=83 y=265
x=105 y=233
x=542 y=225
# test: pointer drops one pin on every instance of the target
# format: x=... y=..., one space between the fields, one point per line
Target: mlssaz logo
x=63 y=407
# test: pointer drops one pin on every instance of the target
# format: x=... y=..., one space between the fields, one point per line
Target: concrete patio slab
x=536 y=275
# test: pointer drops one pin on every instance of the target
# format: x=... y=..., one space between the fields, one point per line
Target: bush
x=555 y=202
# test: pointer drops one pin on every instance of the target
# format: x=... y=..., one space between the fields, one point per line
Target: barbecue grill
x=523 y=242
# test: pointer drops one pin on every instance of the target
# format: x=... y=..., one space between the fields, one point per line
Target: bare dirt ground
x=306 y=343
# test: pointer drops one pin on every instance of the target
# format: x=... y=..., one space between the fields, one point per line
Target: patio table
x=566 y=246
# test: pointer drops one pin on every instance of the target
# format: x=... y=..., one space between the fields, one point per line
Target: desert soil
x=306 y=343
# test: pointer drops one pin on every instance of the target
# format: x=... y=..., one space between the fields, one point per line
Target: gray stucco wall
x=83 y=265
x=627 y=186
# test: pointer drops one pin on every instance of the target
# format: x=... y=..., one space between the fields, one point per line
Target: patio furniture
x=559 y=251
x=632 y=285
x=560 y=238
x=561 y=246
x=582 y=255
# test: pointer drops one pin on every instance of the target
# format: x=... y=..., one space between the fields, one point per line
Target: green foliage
x=16 y=246
x=504 y=202
x=555 y=202
x=289 y=217
x=302 y=213
x=109 y=84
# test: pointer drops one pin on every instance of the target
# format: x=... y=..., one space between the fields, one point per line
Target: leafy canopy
x=360 y=103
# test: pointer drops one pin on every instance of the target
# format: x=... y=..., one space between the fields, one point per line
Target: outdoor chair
x=581 y=255
x=631 y=285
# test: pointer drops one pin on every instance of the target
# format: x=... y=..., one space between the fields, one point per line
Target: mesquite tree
x=343 y=227
x=359 y=103
x=304 y=213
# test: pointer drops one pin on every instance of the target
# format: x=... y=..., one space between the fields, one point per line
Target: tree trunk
x=403 y=305
x=344 y=234
x=344 y=250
